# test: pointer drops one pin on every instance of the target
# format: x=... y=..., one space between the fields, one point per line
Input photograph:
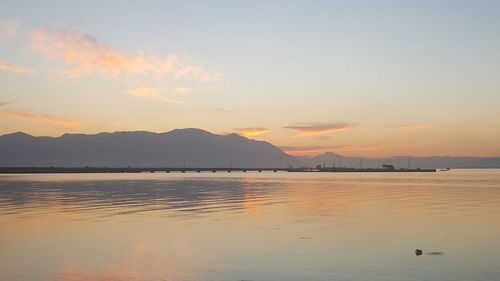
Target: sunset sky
x=360 y=78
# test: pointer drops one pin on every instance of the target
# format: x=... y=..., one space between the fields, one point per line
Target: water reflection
x=250 y=227
x=127 y=197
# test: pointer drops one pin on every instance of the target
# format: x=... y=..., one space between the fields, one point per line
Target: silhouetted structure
x=319 y=168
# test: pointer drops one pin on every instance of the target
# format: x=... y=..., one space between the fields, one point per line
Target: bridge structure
x=56 y=170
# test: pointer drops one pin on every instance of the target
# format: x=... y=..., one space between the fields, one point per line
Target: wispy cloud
x=3 y=103
x=152 y=93
x=42 y=118
x=85 y=55
x=309 y=129
x=251 y=132
x=223 y=110
x=8 y=29
x=5 y=66
x=315 y=150
x=409 y=127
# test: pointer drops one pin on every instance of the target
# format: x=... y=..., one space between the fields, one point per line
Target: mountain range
x=330 y=159
x=188 y=148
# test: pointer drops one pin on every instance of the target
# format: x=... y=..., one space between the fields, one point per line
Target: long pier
x=62 y=170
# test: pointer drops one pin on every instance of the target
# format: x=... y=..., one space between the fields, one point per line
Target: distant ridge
x=188 y=148
x=434 y=162
x=177 y=148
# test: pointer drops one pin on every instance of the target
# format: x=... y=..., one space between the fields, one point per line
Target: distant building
x=388 y=167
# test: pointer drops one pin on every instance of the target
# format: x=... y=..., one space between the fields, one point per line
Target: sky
x=359 y=78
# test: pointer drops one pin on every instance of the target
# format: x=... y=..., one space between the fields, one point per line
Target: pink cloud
x=319 y=128
x=412 y=127
x=85 y=55
x=5 y=66
x=42 y=118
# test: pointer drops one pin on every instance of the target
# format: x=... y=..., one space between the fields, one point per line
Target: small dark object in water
x=419 y=252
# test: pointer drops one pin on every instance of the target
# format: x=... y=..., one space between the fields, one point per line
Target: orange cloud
x=42 y=118
x=8 y=29
x=14 y=68
x=315 y=150
x=319 y=128
x=153 y=93
x=2 y=103
x=252 y=132
x=85 y=55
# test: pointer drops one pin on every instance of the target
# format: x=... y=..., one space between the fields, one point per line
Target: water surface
x=250 y=226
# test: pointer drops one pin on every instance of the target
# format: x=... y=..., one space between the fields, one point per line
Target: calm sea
x=251 y=226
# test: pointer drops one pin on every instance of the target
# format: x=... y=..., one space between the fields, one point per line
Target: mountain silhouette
x=189 y=148
x=177 y=148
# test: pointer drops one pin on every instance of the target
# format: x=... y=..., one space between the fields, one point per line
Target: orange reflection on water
x=146 y=261
x=311 y=200
x=253 y=207
x=44 y=221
